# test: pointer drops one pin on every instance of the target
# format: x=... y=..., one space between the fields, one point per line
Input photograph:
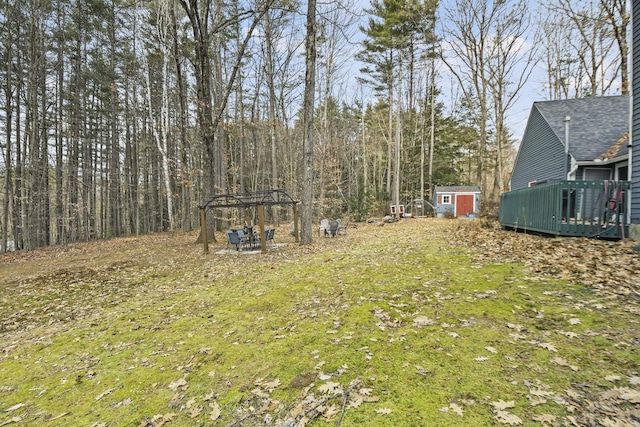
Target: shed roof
x=595 y=125
x=457 y=189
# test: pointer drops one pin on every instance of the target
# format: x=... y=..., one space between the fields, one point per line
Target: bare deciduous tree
x=583 y=55
x=489 y=56
x=160 y=121
x=306 y=211
x=619 y=18
x=469 y=29
x=510 y=63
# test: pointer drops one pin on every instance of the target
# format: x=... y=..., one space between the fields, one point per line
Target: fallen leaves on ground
x=508 y=418
x=610 y=267
x=15 y=407
x=79 y=290
x=330 y=388
x=453 y=407
x=502 y=405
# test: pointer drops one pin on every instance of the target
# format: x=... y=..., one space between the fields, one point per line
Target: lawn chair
x=324 y=227
x=250 y=238
x=333 y=228
x=234 y=240
x=342 y=228
x=269 y=235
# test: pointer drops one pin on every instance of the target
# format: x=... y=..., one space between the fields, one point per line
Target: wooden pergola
x=257 y=200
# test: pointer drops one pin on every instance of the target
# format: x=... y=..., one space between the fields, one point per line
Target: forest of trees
x=121 y=117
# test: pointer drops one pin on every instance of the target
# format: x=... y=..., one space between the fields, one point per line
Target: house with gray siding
x=596 y=130
x=634 y=228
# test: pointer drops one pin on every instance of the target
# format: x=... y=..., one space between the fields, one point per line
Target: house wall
x=540 y=143
x=634 y=229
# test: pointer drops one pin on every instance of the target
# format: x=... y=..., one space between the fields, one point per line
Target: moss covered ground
x=424 y=322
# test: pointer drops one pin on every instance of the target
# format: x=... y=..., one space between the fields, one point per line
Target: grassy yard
x=418 y=323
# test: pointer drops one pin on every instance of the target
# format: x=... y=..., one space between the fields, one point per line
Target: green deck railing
x=569 y=208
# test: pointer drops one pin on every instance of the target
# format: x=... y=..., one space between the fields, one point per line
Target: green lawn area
x=425 y=322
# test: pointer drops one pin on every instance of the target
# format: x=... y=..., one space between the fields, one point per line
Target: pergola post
x=203 y=229
x=263 y=236
x=295 y=223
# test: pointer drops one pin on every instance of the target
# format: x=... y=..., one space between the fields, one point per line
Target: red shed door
x=464 y=204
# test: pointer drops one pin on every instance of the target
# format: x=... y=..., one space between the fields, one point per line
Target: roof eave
x=603 y=162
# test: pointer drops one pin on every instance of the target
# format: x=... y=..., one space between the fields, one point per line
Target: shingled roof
x=596 y=124
x=457 y=189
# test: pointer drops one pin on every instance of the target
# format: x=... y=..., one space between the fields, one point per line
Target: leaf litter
x=84 y=292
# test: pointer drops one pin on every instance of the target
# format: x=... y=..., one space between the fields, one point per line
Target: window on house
x=446 y=199
x=597 y=174
x=622 y=173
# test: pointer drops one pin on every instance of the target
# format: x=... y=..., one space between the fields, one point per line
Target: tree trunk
x=432 y=127
x=185 y=169
x=199 y=20
x=60 y=234
x=8 y=97
x=160 y=122
x=273 y=124
x=390 y=124
x=73 y=210
x=397 y=142
x=89 y=176
x=115 y=209
x=306 y=211
x=219 y=104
